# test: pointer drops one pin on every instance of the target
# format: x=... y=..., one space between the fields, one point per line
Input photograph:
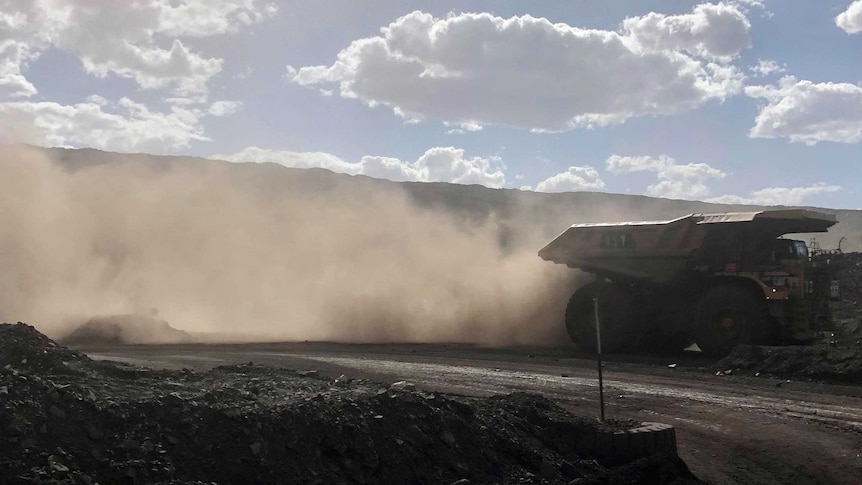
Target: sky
x=741 y=101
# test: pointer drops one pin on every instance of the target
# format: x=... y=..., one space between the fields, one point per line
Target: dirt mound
x=24 y=349
x=126 y=329
x=837 y=363
x=253 y=424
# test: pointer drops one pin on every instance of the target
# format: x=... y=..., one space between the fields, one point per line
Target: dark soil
x=67 y=419
x=832 y=363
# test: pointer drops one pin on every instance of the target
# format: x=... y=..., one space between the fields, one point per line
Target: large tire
x=622 y=328
x=728 y=315
x=670 y=332
x=580 y=323
x=671 y=343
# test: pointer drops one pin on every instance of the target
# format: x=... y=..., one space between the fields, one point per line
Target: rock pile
x=24 y=349
x=823 y=362
x=67 y=419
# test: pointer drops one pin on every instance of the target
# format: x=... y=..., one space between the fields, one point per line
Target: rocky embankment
x=67 y=419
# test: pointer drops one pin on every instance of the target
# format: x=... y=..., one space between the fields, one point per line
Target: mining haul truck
x=717 y=280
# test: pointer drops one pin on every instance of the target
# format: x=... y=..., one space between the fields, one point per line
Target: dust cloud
x=209 y=255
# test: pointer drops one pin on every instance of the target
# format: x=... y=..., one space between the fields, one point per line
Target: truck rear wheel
x=726 y=316
x=580 y=323
x=675 y=325
x=618 y=314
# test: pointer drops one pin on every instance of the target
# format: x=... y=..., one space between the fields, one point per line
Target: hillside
x=549 y=213
x=262 y=252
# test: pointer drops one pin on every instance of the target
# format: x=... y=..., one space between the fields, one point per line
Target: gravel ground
x=68 y=419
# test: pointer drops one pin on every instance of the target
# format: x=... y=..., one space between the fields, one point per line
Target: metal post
x=599 y=348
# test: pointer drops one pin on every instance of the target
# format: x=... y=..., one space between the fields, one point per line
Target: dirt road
x=730 y=428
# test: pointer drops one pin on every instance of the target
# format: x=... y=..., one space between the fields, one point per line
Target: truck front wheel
x=726 y=316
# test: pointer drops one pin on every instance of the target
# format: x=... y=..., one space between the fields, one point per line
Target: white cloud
x=463 y=128
x=675 y=181
x=474 y=69
x=16 y=47
x=244 y=74
x=291 y=159
x=765 y=67
x=778 y=195
x=747 y=5
x=153 y=67
x=135 y=40
x=389 y=168
x=128 y=126
x=13 y=84
x=573 y=179
x=716 y=31
x=439 y=164
x=808 y=112
x=204 y=18
x=850 y=20
x=96 y=99
x=224 y=108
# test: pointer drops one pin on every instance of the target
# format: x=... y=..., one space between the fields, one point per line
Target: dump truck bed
x=659 y=250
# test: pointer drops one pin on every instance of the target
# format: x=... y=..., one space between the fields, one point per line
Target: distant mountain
x=125 y=330
x=523 y=216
